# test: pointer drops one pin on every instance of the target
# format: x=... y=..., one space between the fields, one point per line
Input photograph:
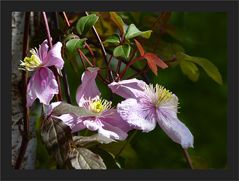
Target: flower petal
x=135 y=114
x=31 y=92
x=54 y=57
x=171 y=104
x=113 y=132
x=71 y=120
x=50 y=107
x=113 y=118
x=42 y=51
x=44 y=85
x=88 y=88
x=92 y=124
x=132 y=88
x=174 y=128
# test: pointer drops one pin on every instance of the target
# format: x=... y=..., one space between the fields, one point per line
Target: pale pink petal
x=71 y=120
x=174 y=128
x=171 y=104
x=45 y=85
x=132 y=88
x=113 y=132
x=112 y=117
x=88 y=88
x=92 y=124
x=136 y=115
x=54 y=57
x=52 y=106
x=42 y=51
x=31 y=92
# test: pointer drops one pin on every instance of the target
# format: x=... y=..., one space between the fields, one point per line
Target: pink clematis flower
x=102 y=117
x=43 y=84
x=145 y=105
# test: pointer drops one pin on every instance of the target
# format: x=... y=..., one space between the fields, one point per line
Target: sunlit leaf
x=114 y=39
x=73 y=44
x=118 y=21
x=122 y=51
x=82 y=158
x=85 y=23
x=208 y=66
x=189 y=69
x=133 y=32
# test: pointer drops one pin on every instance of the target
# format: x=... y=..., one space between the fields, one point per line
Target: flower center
x=31 y=63
x=158 y=94
x=99 y=105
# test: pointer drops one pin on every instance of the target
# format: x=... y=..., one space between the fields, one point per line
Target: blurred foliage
x=203 y=102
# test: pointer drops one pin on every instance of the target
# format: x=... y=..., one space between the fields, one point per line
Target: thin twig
x=82 y=61
x=64 y=76
x=25 y=108
x=66 y=19
x=128 y=65
x=111 y=77
x=59 y=96
x=82 y=55
x=127 y=142
x=143 y=71
x=187 y=157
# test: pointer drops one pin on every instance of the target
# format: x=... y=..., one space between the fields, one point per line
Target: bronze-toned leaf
x=82 y=158
x=87 y=141
x=65 y=108
x=57 y=138
x=140 y=47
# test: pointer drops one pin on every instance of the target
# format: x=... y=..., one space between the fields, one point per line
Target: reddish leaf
x=155 y=59
x=152 y=66
x=140 y=48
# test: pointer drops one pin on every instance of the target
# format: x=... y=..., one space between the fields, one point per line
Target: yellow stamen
x=159 y=94
x=30 y=63
x=98 y=106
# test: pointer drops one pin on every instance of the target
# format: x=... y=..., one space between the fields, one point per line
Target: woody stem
x=59 y=96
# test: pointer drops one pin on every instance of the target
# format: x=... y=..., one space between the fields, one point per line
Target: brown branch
x=64 y=76
x=59 y=96
x=187 y=157
x=66 y=19
x=111 y=77
x=25 y=108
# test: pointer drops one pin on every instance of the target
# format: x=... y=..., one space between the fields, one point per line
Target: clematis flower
x=102 y=117
x=146 y=105
x=43 y=84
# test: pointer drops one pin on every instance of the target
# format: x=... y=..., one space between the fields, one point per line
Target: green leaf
x=85 y=23
x=73 y=44
x=82 y=158
x=65 y=108
x=118 y=21
x=189 y=69
x=114 y=39
x=133 y=32
x=122 y=51
x=208 y=66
